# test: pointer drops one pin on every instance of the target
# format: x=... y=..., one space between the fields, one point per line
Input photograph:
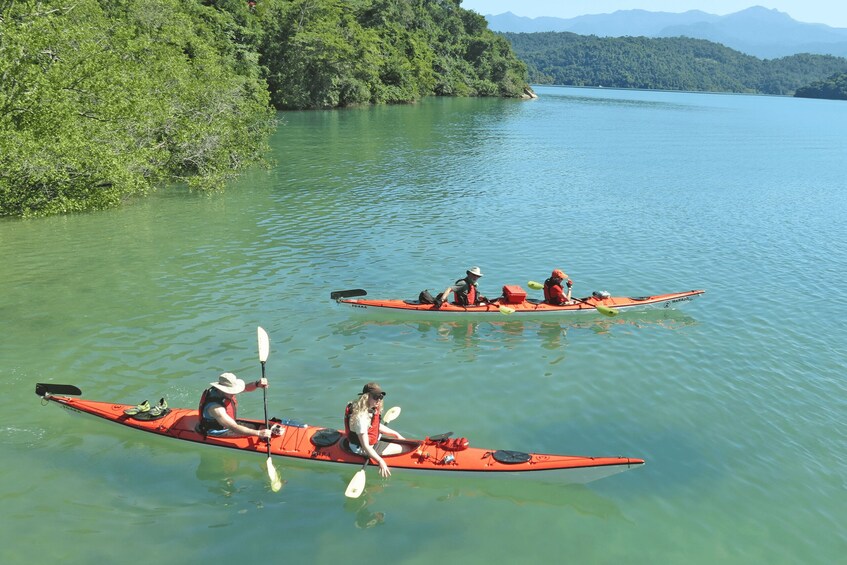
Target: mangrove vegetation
x=102 y=100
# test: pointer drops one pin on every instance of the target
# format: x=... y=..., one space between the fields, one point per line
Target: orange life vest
x=554 y=293
x=373 y=429
x=468 y=297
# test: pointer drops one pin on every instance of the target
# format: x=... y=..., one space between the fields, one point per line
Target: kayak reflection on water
x=554 y=333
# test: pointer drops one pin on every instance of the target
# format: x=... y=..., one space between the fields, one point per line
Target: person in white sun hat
x=465 y=292
x=219 y=408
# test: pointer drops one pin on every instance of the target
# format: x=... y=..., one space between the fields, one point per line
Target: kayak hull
x=311 y=444
x=529 y=308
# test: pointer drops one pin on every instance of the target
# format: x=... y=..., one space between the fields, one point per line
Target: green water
x=736 y=400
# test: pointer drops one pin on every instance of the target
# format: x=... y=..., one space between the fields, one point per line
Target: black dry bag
x=425 y=297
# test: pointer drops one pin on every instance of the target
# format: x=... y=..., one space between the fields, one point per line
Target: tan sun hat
x=229 y=383
x=474 y=271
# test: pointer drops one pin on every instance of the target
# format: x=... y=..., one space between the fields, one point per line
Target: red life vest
x=213 y=395
x=467 y=298
x=373 y=429
x=554 y=293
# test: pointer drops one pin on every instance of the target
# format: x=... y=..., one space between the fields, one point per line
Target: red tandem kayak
x=327 y=445
x=520 y=306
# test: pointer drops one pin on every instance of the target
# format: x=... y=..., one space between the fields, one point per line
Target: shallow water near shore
x=735 y=399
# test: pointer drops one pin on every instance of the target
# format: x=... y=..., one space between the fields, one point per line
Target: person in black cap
x=363 y=425
x=464 y=290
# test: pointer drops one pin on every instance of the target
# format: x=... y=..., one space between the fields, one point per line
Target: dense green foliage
x=99 y=100
x=833 y=88
x=672 y=63
x=326 y=53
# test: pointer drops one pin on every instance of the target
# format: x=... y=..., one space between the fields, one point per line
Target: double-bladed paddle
x=357 y=483
x=605 y=310
x=264 y=351
x=503 y=309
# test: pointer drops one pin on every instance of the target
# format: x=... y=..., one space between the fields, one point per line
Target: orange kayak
x=443 y=454
x=525 y=308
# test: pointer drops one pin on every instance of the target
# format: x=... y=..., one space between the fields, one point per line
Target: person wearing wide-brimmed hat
x=219 y=406
x=465 y=292
x=363 y=426
x=554 y=292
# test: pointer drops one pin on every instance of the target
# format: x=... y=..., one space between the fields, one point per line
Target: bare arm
x=224 y=419
x=452 y=288
x=383 y=429
x=384 y=471
x=261 y=383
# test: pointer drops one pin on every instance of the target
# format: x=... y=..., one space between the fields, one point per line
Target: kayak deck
x=528 y=307
x=326 y=445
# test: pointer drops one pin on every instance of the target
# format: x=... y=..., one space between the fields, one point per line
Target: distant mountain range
x=756 y=31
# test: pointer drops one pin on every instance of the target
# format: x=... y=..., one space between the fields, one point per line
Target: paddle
x=357 y=483
x=605 y=310
x=351 y=293
x=503 y=309
x=264 y=350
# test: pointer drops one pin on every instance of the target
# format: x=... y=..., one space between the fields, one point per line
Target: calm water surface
x=736 y=400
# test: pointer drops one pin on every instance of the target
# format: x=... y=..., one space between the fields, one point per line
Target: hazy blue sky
x=829 y=12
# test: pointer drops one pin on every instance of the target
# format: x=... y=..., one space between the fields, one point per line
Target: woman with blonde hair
x=363 y=425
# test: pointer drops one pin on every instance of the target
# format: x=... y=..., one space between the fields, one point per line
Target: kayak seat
x=385 y=447
x=345 y=445
x=412 y=302
x=326 y=437
x=534 y=301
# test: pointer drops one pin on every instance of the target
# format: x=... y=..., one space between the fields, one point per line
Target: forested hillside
x=101 y=100
x=673 y=63
x=322 y=53
x=833 y=88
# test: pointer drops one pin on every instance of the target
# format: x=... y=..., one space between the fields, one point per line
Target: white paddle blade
x=264 y=344
x=356 y=486
x=273 y=475
x=391 y=414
